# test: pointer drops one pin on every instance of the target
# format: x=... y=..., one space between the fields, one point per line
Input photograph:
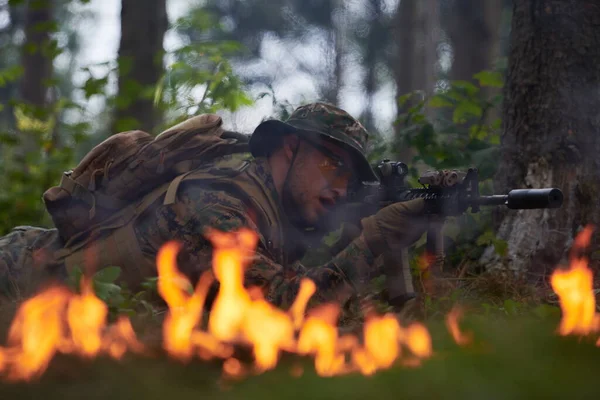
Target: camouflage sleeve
x=187 y=220
x=199 y=209
x=337 y=280
x=26 y=259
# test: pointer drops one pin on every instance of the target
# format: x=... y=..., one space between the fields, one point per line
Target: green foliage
x=38 y=144
x=452 y=128
x=117 y=297
x=201 y=78
x=33 y=159
x=455 y=129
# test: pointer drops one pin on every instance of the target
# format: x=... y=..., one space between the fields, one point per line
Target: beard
x=293 y=208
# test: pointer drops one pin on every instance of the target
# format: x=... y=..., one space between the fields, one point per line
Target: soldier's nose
x=340 y=192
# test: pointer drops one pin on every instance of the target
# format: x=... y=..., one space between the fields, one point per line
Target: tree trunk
x=10 y=57
x=551 y=133
x=404 y=31
x=143 y=26
x=473 y=28
x=371 y=59
x=36 y=60
x=415 y=64
x=428 y=20
x=37 y=65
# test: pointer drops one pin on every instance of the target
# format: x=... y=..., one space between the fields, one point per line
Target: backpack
x=120 y=171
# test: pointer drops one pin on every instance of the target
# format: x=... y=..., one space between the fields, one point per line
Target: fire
x=574 y=287
x=307 y=289
x=36 y=334
x=60 y=321
x=462 y=339
x=381 y=344
x=232 y=301
x=85 y=316
x=417 y=339
x=269 y=330
x=185 y=309
x=318 y=337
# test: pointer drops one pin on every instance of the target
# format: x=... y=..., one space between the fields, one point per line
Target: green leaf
x=439 y=101
x=501 y=247
x=490 y=79
x=466 y=86
x=107 y=275
x=74 y=278
x=466 y=109
x=93 y=86
x=404 y=98
x=106 y=291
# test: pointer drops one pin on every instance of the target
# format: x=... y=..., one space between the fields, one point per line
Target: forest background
x=509 y=87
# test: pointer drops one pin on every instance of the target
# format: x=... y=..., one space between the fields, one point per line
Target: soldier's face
x=318 y=180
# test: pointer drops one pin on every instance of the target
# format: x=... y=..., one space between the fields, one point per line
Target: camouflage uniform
x=26 y=254
x=199 y=207
x=220 y=205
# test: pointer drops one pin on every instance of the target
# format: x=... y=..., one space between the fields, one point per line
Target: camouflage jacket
x=274 y=268
x=219 y=206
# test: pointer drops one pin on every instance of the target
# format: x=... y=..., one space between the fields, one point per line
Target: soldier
x=300 y=172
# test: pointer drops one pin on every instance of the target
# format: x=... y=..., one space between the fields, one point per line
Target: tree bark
x=143 y=26
x=551 y=132
x=473 y=28
x=36 y=60
x=37 y=65
x=404 y=63
x=371 y=60
x=10 y=56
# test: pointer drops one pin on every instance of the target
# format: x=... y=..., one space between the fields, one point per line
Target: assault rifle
x=446 y=193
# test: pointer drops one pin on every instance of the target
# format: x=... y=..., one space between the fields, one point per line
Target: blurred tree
x=42 y=95
x=143 y=26
x=551 y=129
x=9 y=60
x=415 y=61
x=473 y=27
x=37 y=55
x=371 y=48
x=405 y=31
x=290 y=22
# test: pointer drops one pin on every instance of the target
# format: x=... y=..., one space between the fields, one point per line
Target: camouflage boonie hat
x=324 y=120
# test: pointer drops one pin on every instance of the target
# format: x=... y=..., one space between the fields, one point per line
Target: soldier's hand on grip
x=398 y=224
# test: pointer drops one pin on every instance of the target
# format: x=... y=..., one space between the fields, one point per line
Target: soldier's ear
x=290 y=146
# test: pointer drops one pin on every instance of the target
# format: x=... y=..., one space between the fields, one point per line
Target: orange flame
x=416 y=337
x=36 y=334
x=232 y=301
x=318 y=337
x=462 y=339
x=185 y=309
x=269 y=330
x=86 y=316
x=574 y=287
x=307 y=289
x=121 y=337
x=381 y=344
x=58 y=320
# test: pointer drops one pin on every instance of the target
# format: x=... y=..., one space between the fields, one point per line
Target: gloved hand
x=398 y=224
